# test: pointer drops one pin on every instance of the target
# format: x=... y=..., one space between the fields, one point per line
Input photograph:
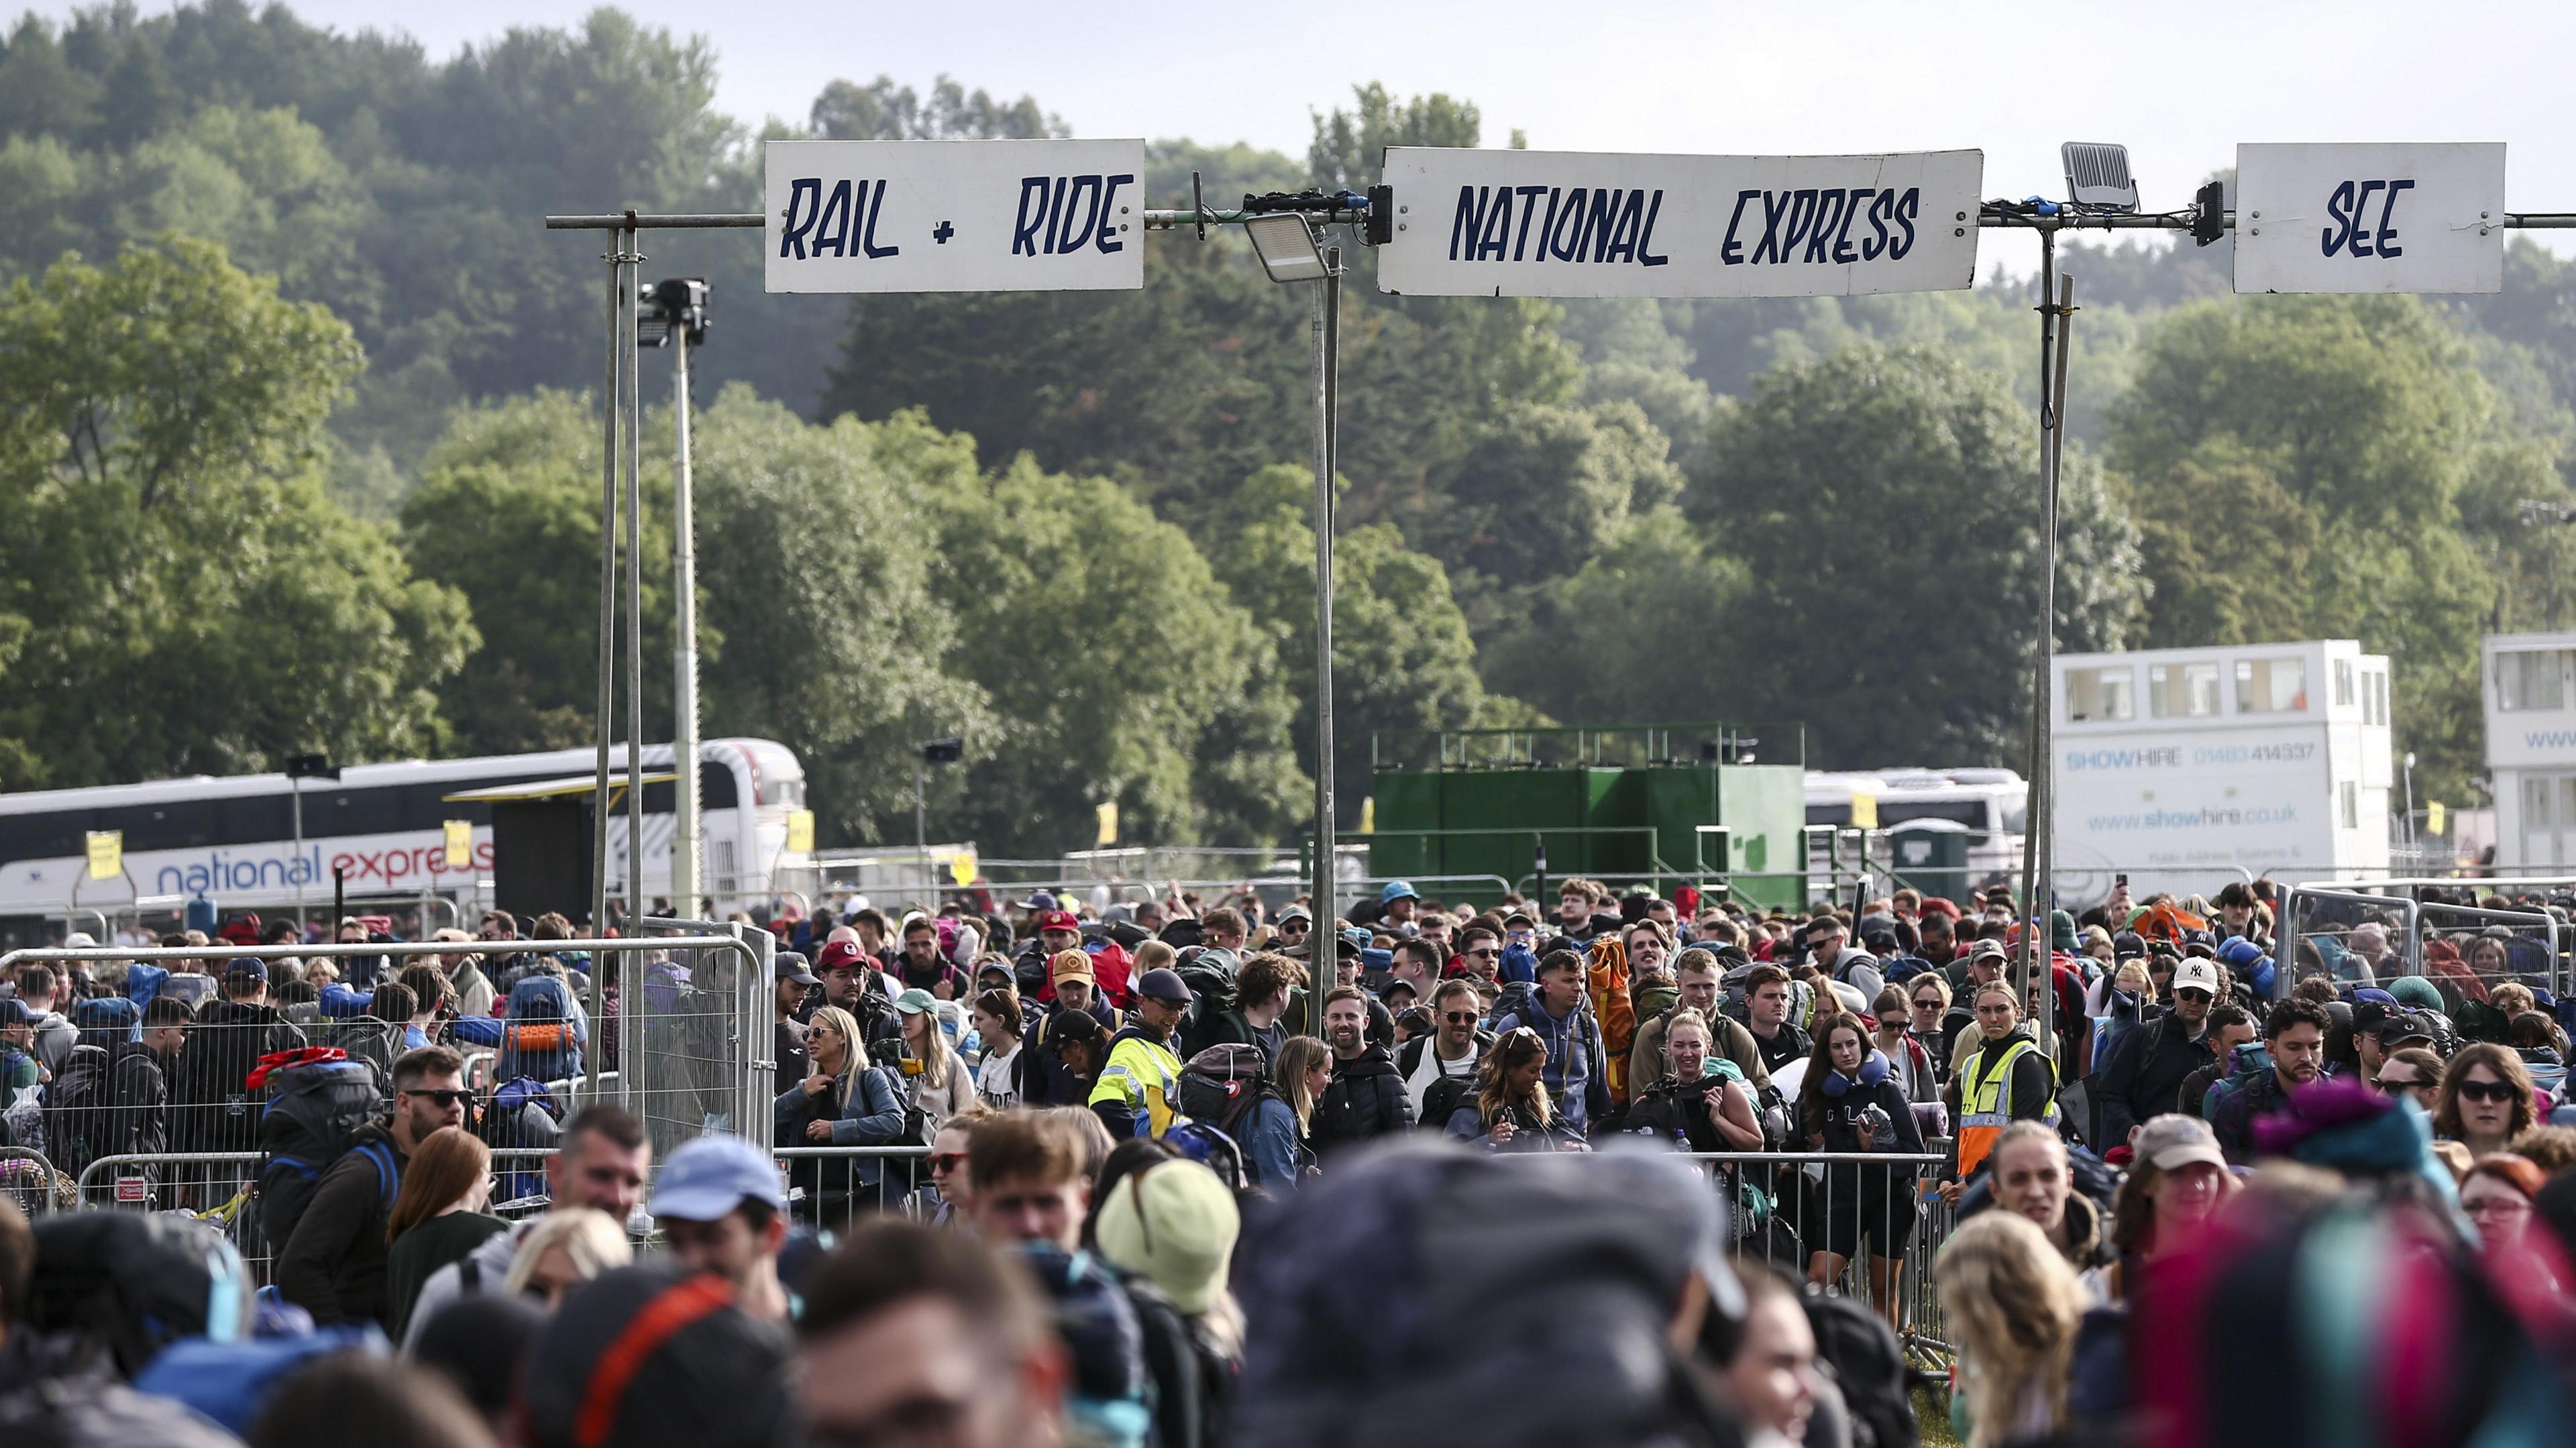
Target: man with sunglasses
x=334 y=1264
x=1479 y=953
x=1455 y=1044
x=2142 y=1073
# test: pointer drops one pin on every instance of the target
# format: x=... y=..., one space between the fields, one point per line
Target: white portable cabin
x=2187 y=768
x=2529 y=684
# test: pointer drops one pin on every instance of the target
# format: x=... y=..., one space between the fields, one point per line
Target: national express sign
x=1589 y=224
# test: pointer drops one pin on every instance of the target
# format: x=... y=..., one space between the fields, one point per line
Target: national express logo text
x=2174 y=756
x=361 y=868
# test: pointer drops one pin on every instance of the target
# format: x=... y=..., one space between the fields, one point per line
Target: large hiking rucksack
x=78 y=1110
x=523 y=1114
x=1219 y=1085
x=133 y=1283
x=540 y=1034
x=318 y=1102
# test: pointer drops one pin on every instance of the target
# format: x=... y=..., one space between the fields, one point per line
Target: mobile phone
x=2120 y=880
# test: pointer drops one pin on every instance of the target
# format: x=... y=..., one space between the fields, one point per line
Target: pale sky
x=2180 y=82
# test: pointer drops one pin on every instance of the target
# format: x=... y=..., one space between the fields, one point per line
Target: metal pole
x=634 y=606
x=620 y=244
x=685 y=845
x=1328 y=306
x=297 y=785
x=921 y=819
x=2034 y=952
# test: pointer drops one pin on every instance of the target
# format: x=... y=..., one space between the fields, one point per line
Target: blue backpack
x=541 y=1034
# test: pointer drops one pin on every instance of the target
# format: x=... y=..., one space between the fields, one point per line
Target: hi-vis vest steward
x=1984 y=1107
x=1145 y=1075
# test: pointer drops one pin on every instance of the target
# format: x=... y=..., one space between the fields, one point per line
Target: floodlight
x=1287 y=247
x=941 y=751
x=2097 y=176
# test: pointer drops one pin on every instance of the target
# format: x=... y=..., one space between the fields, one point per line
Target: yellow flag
x=1368 y=814
x=460 y=844
x=1864 y=810
x=961 y=867
x=106 y=854
x=800 y=831
x=2435 y=816
x=1108 y=824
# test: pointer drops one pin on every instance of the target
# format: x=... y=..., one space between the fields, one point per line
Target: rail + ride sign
x=2370 y=218
x=955 y=216
x=1474 y=223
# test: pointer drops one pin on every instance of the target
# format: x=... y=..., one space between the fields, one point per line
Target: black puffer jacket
x=1366 y=1100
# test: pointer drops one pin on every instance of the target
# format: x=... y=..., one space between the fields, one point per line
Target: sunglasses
x=2487 y=1090
x=2400 y=1083
x=2193 y=993
x=443 y=1099
x=1459 y=1018
x=948 y=1161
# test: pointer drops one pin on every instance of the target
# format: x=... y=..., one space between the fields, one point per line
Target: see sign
x=2370 y=218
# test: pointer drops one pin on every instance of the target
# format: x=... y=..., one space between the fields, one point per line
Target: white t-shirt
x=993 y=1081
x=1430 y=1069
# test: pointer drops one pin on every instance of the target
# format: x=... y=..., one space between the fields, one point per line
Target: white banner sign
x=955 y=216
x=2370 y=218
x=1584 y=224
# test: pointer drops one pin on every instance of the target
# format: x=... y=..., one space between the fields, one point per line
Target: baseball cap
x=1396 y=890
x=658 y=1355
x=1519 y=917
x=2196 y=974
x=839 y=955
x=14 y=1012
x=913 y=1002
x=792 y=967
x=1059 y=920
x=1988 y=950
x=2174 y=1141
x=1162 y=983
x=709 y=1176
x=1065 y=1027
x=2404 y=1026
x=1296 y=912
x=1039 y=901
x=1070 y=965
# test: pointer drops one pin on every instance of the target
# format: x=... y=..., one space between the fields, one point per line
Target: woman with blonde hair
x=564 y=1251
x=1275 y=1143
x=845 y=1102
x=941 y=1084
x=2015 y=1306
x=437 y=1216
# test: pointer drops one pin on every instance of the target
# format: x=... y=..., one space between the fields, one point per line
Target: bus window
x=786 y=793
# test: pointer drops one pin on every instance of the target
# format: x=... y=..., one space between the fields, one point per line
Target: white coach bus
x=231 y=840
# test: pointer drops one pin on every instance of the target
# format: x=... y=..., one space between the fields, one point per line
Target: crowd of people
x=1140 y=1174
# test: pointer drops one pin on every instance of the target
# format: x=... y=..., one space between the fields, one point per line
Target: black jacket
x=215 y=1108
x=1366 y=1100
x=2144 y=1075
x=334 y=1265
x=1037 y=1071
x=1677 y=1115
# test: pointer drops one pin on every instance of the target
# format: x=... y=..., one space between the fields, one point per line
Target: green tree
x=1640 y=632
x=812 y=573
x=1110 y=652
x=1402 y=656
x=1888 y=499
x=507 y=513
x=177 y=594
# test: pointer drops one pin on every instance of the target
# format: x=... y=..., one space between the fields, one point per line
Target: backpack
x=135 y=1283
x=1443 y=1097
x=77 y=1109
x=1216 y=1150
x=1219 y=1086
x=318 y=1102
x=1867 y=1365
x=1190 y=1375
x=540 y=1036
x=522 y=1114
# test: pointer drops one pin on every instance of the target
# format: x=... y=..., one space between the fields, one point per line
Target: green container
x=1764 y=807
x=1407 y=801
x=1932 y=856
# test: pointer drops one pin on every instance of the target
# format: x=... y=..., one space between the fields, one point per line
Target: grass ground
x=1932 y=1418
